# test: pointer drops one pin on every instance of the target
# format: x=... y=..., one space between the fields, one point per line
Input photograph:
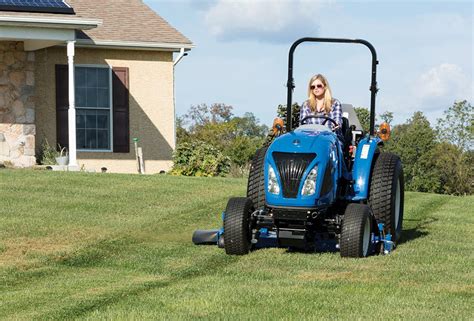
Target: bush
x=47 y=154
x=197 y=158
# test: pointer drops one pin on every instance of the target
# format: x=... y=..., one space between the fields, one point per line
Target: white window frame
x=111 y=125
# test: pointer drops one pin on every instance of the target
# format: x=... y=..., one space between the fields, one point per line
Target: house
x=90 y=76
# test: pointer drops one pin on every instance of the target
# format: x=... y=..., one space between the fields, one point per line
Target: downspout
x=175 y=62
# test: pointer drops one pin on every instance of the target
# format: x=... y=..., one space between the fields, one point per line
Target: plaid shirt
x=335 y=113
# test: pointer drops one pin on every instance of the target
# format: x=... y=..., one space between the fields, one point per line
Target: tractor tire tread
x=256 y=182
x=352 y=233
x=236 y=226
x=382 y=187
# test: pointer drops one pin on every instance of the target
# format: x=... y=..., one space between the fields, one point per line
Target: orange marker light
x=384 y=131
x=277 y=126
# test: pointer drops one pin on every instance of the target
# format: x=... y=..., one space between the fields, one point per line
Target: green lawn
x=104 y=246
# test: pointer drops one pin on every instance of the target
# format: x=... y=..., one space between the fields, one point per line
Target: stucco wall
x=151 y=105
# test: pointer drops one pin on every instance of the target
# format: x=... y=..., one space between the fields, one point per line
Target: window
x=93 y=108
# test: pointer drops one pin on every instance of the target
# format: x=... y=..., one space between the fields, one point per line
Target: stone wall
x=17 y=105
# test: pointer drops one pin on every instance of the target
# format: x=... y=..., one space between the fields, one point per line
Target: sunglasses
x=318 y=85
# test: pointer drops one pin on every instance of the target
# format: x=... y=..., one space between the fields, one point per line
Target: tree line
x=212 y=141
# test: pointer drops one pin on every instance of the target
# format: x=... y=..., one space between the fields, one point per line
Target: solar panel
x=48 y=6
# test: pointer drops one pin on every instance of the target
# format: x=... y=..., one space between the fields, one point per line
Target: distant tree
x=181 y=132
x=202 y=114
x=387 y=117
x=363 y=115
x=295 y=114
x=457 y=125
x=228 y=137
x=248 y=125
x=414 y=142
x=455 y=169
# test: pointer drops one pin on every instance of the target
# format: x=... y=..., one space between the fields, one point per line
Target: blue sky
x=425 y=49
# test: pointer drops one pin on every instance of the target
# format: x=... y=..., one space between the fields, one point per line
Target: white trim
x=110 y=109
x=180 y=56
x=162 y=46
x=72 y=107
x=29 y=33
x=71 y=23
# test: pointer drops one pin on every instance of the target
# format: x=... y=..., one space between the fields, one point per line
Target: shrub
x=47 y=154
x=197 y=158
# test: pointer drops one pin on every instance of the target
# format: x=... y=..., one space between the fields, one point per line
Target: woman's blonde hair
x=327 y=104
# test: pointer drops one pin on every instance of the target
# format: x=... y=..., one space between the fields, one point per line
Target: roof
x=124 y=23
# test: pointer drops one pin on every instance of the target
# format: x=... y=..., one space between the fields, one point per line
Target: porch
x=20 y=38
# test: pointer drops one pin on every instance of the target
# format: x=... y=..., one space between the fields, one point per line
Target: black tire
x=386 y=195
x=237 y=230
x=256 y=183
x=356 y=229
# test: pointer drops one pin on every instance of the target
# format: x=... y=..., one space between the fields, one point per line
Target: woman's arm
x=337 y=112
x=304 y=111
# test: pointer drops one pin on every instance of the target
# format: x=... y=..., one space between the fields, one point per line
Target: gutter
x=134 y=45
x=72 y=23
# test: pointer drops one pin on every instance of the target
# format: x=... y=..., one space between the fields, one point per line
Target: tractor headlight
x=273 y=186
x=309 y=187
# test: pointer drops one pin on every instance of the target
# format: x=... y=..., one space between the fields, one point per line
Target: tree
x=236 y=138
x=295 y=114
x=248 y=125
x=414 y=142
x=202 y=114
x=387 y=117
x=455 y=169
x=457 y=126
x=363 y=115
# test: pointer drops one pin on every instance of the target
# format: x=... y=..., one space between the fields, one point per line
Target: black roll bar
x=291 y=84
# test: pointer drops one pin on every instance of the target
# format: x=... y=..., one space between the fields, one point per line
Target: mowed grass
x=103 y=246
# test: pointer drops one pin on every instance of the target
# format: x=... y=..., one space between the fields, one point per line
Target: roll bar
x=291 y=85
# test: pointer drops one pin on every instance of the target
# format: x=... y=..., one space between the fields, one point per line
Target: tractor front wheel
x=237 y=229
x=355 y=235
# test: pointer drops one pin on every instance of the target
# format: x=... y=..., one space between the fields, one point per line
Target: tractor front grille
x=291 y=167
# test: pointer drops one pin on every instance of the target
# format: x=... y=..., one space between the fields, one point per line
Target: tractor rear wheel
x=355 y=234
x=387 y=193
x=237 y=229
x=256 y=183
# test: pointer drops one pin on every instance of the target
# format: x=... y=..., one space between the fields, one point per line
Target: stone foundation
x=17 y=105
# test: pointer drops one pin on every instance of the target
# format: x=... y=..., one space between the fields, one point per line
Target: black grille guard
x=291 y=167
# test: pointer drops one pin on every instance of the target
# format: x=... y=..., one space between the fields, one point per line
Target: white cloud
x=264 y=20
x=445 y=82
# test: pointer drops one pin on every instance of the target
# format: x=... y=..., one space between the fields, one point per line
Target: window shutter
x=62 y=105
x=121 y=130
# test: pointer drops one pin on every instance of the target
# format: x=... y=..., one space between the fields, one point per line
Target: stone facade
x=17 y=104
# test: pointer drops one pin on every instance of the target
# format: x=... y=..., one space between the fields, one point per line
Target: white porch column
x=72 y=105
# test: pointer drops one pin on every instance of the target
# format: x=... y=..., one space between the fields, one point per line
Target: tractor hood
x=303 y=141
x=291 y=158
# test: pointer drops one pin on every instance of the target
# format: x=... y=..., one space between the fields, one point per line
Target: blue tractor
x=312 y=190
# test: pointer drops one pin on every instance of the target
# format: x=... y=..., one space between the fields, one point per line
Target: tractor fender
x=362 y=169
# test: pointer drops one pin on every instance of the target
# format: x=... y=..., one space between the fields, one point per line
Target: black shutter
x=62 y=105
x=121 y=116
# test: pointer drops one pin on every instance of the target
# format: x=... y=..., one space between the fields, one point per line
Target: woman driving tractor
x=321 y=103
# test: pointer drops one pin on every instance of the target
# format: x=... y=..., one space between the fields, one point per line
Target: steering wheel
x=323 y=117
